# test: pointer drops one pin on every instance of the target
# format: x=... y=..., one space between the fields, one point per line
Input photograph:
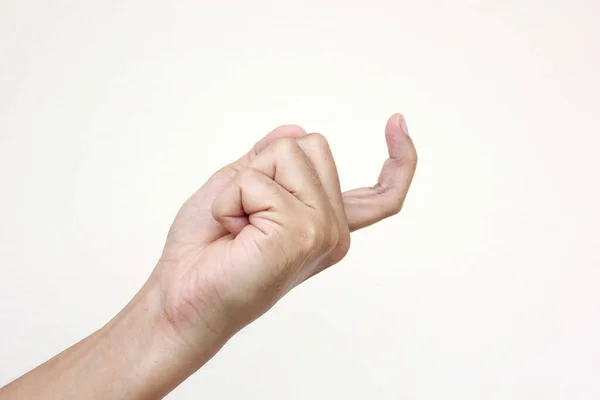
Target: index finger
x=368 y=205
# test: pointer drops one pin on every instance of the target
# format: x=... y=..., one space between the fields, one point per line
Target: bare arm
x=135 y=356
x=258 y=227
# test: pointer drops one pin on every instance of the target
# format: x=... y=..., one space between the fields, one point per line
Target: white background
x=486 y=285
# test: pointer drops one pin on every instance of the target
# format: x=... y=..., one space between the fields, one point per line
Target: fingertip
x=397 y=121
x=397 y=137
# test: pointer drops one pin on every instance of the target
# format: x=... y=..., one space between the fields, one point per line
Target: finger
x=225 y=174
x=368 y=205
x=286 y=163
x=251 y=198
x=292 y=131
x=316 y=147
x=197 y=218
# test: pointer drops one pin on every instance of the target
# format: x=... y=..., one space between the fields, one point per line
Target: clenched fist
x=267 y=222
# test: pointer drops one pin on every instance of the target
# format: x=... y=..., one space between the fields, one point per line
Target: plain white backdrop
x=484 y=287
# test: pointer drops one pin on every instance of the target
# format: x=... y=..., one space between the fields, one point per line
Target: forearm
x=134 y=357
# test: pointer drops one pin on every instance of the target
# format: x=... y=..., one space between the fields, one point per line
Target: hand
x=264 y=224
x=256 y=229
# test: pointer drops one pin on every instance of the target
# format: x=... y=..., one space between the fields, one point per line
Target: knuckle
x=333 y=238
x=291 y=129
x=342 y=248
x=394 y=205
x=286 y=145
x=247 y=175
x=217 y=205
x=319 y=141
x=313 y=234
x=412 y=158
x=228 y=171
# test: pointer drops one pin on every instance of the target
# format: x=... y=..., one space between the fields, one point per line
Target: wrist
x=157 y=356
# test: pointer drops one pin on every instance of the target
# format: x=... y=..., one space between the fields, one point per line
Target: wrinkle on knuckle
x=392 y=199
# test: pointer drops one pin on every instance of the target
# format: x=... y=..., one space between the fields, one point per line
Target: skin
x=258 y=228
